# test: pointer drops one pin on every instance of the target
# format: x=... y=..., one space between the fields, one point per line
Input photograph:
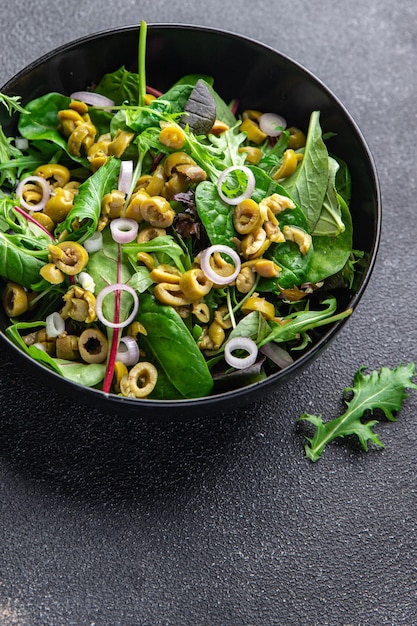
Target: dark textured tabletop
x=106 y=520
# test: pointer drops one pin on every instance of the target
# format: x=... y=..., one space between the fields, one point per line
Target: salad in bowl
x=170 y=245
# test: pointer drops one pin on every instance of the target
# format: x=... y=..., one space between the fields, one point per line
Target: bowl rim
x=110 y=402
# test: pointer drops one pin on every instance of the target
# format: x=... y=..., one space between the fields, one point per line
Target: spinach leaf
x=172 y=345
x=120 y=86
x=43 y=122
x=103 y=266
x=254 y=326
x=81 y=222
x=308 y=185
x=330 y=222
x=286 y=255
x=294 y=266
x=215 y=215
x=223 y=111
x=141 y=281
x=141 y=118
x=88 y=374
x=18 y=264
x=331 y=253
x=178 y=95
x=164 y=389
x=343 y=180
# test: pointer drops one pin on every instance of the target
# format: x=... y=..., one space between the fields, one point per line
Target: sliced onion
x=40 y=346
x=240 y=343
x=55 y=325
x=46 y=193
x=272 y=124
x=128 y=352
x=92 y=98
x=208 y=270
x=105 y=292
x=249 y=187
x=86 y=281
x=124 y=230
x=21 y=143
x=125 y=176
x=94 y=243
x=277 y=354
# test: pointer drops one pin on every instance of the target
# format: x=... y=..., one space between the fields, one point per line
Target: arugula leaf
x=81 y=222
x=12 y=103
x=8 y=152
x=299 y=322
x=163 y=245
x=383 y=390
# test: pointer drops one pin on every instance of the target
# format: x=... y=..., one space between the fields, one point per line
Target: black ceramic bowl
x=261 y=78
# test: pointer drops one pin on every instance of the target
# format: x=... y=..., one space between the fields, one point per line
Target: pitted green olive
x=59 y=205
x=157 y=211
x=93 y=346
x=57 y=175
x=195 y=284
x=69 y=256
x=140 y=381
x=66 y=347
x=52 y=274
x=172 y=136
x=15 y=300
x=247 y=216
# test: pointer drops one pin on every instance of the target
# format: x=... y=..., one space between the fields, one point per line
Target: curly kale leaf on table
x=383 y=390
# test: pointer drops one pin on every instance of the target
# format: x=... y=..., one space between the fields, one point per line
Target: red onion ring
x=105 y=292
x=124 y=230
x=215 y=278
x=94 y=243
x=249 y=187
x=125 y=176
x=46 y=193
x=91 y=98
x=240 y=343
x=272 y=124
x=128 y=352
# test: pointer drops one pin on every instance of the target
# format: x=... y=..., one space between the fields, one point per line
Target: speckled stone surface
x=107 y=521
